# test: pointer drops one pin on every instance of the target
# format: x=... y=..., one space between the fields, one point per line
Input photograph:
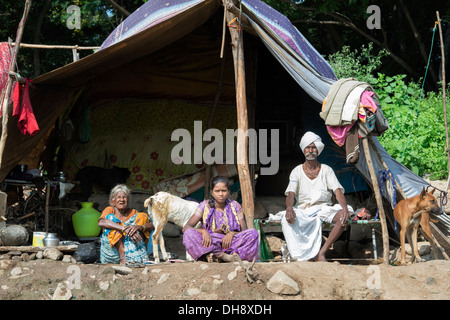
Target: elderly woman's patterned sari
x=135 y=252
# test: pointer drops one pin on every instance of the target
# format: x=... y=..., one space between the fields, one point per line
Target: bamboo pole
x=51 y=46
x=379 y=200
x=242 y=117
x=447 y=150
x=6 y=98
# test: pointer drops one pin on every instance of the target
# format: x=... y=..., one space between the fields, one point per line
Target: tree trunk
x=418 y=39
x=36 y=38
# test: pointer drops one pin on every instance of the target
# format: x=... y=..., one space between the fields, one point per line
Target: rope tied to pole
x=386 y=175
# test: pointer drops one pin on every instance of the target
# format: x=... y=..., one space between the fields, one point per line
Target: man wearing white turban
x=311 y=184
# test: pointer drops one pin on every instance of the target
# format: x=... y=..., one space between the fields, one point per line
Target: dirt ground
x=38 y=279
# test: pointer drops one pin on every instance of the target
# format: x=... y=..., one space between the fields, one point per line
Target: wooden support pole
x=48 y=189
x=6 y=96
x=379 y=200
x=242 y=117
x=447 y=150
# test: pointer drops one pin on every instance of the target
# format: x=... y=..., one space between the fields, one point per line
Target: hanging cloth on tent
x=23 y=110
x=340 y=107
x=5 y=64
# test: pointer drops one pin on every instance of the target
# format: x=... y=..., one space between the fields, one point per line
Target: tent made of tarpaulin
x=170 y=50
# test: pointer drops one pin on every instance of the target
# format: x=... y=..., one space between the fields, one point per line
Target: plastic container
x=38 y=238
x=85 y=221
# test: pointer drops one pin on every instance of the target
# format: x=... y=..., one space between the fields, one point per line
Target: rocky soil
x=47 y=277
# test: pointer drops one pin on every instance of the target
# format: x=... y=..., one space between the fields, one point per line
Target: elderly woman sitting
x=125 y=231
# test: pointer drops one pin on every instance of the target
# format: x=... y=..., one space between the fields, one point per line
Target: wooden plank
x=441 y=239
x=69 y=248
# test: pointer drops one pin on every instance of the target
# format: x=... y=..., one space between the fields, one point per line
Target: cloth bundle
x=351 y=111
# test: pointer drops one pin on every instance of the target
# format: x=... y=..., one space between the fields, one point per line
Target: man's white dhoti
x=304 y=237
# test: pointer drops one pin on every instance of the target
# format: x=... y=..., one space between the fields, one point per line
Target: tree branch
x=342 y=20
x=119 y=8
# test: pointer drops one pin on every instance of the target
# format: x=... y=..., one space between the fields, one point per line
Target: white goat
x=163 y=207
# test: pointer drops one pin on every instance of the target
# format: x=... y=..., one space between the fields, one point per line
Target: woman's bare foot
x=210 y=258
x=227 y=257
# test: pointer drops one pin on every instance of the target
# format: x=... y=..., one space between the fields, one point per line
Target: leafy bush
x=359 y=65
x=416 y=136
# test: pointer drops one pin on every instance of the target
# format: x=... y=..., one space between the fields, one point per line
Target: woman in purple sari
x=223 y=233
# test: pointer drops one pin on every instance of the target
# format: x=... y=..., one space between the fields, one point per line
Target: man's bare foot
x=321 y=257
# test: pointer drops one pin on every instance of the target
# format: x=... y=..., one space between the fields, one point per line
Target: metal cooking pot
x=50 y=240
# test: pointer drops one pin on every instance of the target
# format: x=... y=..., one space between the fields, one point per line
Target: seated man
x=311 y=184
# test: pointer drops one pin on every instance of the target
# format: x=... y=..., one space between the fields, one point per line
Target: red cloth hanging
x=22 y=109
x=5 y=62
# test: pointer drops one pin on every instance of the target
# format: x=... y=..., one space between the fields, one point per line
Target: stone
x=104 y=285
x=68 y=258
x=163 y=278
x=217 y=283
x=14 y=253
x=25 y=256
x=122 y=270
x=16 y=271
x=193 y=291
x=40 y=255
x=232 y=275
x=281 y=283
x=7 y=264
x=108 y=270
x=52 y=253
x=62 y=293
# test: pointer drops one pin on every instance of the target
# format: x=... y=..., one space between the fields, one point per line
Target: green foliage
x=360 y=65
x=416 y=135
